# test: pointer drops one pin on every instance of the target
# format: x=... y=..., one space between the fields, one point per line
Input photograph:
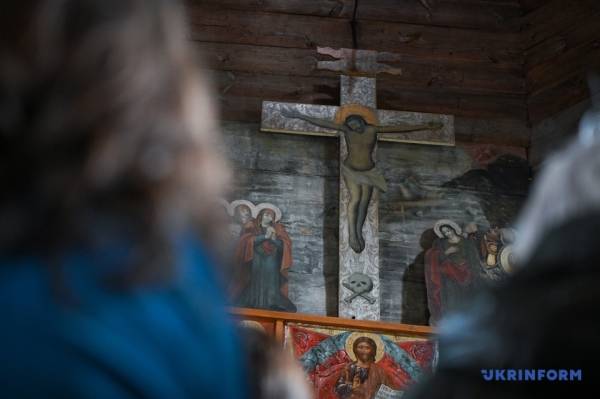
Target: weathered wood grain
x=479 y=119
x=267 y=29
x=555 y=17
x=323 y=8
x=300 y=175
x=504 y=131
x=563 y=45
x=528 y=6
x=552 y=100
x=253 y=88
x=582 y=58
x=391 y=96
x=499 y=131
x=585 y=32
x=480 y=15
x=444 y=45
x=303 y=62
x=553 y=133
x=476 y=14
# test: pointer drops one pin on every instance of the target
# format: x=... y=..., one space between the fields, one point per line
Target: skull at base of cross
x=360 y=284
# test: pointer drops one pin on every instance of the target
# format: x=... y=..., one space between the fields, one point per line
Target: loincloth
x=371 y=177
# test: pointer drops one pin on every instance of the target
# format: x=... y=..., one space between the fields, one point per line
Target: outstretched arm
x=405 y=127
x=315 y=121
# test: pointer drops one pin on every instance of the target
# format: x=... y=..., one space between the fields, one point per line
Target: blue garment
x=168 y=340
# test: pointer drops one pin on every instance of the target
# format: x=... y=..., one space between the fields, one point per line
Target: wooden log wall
x=462 y=57
x=508 y=62
x=562 y=45
x=458 y=56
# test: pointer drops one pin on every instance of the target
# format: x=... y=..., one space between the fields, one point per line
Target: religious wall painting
x=496 y=251
x=349 y=364
x=461 y=262
x=262 y=256
x=360 y=126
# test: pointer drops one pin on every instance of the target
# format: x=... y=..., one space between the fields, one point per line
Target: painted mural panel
x=462 y=262
x=262 y=256
x=480 y=185
x=344 y=364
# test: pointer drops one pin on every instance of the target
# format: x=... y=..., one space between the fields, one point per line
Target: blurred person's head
x=273 y=373
x=524 y=323
x=568 y=186
x=106 y=127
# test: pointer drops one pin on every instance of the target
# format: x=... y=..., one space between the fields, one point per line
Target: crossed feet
x=356 y=241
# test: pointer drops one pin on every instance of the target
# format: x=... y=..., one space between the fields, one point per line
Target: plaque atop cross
x=359 y=125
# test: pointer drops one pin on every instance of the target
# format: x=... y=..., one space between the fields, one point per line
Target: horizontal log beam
x=581 y=59
x=508 y=132
x=555 y=17
x=267 y=29
x=584 y=33
x=552 y=100
x=390 y=95
x=241 y=96
x=416 y=75
x=323 y=8
x=528 y=6
x=479 y=15
x=445 y=46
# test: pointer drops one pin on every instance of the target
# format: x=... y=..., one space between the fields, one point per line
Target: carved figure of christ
x=358 y=169
x=359 y=125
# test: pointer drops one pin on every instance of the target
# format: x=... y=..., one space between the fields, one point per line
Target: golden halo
x=266 y=205
x=367 y=113
x=446 y=222
x=355 y=335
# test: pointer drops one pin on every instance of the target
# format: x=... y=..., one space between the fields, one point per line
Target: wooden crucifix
x=359 y=125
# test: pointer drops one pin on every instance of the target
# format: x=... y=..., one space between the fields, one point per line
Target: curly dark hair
x=105 y=127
